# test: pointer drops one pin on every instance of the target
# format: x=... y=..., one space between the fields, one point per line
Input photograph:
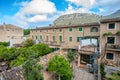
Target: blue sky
x=40 y=13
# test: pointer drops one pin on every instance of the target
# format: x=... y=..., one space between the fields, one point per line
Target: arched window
x=94 y=29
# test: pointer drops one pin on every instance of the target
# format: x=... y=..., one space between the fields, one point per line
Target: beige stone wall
x=103 y=40
x=65 y=33
x=9 y=32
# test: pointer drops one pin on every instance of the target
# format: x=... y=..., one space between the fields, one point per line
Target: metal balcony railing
x=115 y=47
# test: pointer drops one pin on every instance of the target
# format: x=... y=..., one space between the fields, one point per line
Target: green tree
x=71 y=55
x=32 y=70
x=26 y=31
x=28 y=43
x=4 y=43
x=41 y=49
x=60 y=66
x=102 y=70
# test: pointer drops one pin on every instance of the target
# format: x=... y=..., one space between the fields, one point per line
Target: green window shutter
x=53 y=38
x=78 y=39
x=40 y=37
x=36 y=37
x=47 y=38
x=70 y=39
x=70 y=29
x=60 y=38
x=91 y=29
x=80 y=29
x=32 y=37
x=94 y=29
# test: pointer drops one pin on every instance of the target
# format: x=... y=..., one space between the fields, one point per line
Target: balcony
x=113 y=47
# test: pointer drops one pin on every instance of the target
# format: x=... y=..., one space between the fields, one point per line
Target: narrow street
x=82 y=74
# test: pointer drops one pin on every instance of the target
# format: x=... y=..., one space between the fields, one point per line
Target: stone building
x=67 y=31
x=110 y=38
x=11 y=32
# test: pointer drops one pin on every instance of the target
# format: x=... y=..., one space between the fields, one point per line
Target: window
x=78 y=39
x=111 y=26
x=60 y=38
x=70 y=39
x=36 y=37
x=40 y=37
x=46 y=30
x=109 y=56
x=80 y=29
x=47 y=38
x=94 y=29
x=70 y=29
x=111 y=40
x=32 y=37
x=53 y=38
x=53 y=30
x=60 y=30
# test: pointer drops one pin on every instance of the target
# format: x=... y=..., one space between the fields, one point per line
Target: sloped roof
x=112 y=17
x=76 y=19
x=13 y=74
x=10 y=26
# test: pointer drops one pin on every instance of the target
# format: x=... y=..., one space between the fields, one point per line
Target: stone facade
x=110 y=48
x=65 y=33
x=110 y=53
x=11 y=32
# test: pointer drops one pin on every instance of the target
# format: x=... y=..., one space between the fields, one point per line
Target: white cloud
x=83 y=3
x=101 y=10
x=39 y=7
x=71 y=9
x=34 y=11
x=38 y=18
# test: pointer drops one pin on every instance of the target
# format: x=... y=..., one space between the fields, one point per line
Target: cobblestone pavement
x=82 y=74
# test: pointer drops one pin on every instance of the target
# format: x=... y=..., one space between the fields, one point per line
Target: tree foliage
x=28 y=43
x=17 y=56
x=71 y=55
x=4 y=43
x=102 y=70
x=32 y=70
x=26 y=31
x=60 y=66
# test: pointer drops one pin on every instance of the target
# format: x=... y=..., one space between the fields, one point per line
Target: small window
x=47 y=38
x=36 y=37
x=109 y=56
x=53 y=30
x=111 y=26
x=60 y=30
x=70 y=39
x=32 y=37
x=94 y=29
x=111 y=40
x=78 y=39
x=60 y=38
x=70 y=29
x=80 y=29
x=53 y=38
x=40 y=30
x=40 y=37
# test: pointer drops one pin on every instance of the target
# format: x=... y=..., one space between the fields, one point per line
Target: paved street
x=82 y=74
